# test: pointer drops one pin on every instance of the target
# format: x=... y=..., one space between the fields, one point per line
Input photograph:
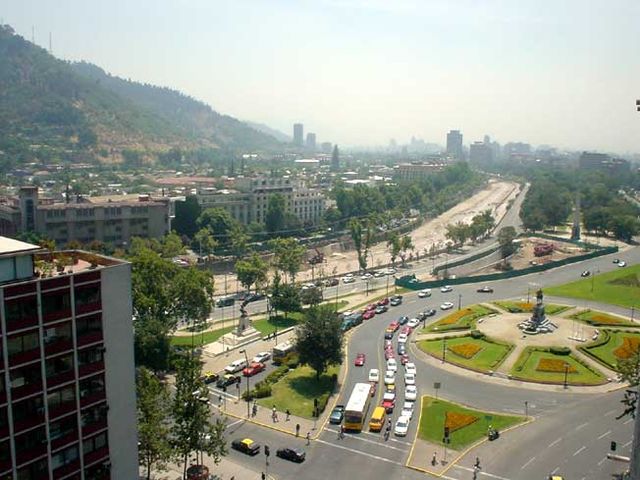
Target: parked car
x=446 y=288
x=616 y=260
x=622 y=263
x=254 y=297
x=198 y=472
x=331 y=282
x=485 y=289
x=413 y=323
x=446 y=306
x=225 y=302
x=348 y=279
x=337 y=414
x=424 y=293
x=292 y=454
x=384 y=301
x=253 y=369
x=262 y=357
x=430 y=312
x=246 y=445
x=360 y=359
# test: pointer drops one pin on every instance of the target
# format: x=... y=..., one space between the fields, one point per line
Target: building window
x=87 y=295
x=21 y=309
x=64 y=457
x=95 y=414
x=90 y=355
x=89 y=324
x=34 y=471
x=63 y=427
x=32 y=439
x=94 y=443
x=56 y=302
x=59 y=333
x=91 y=386
x=21 y=377
x=61 y=397
x=23 y=343
x=58 y=365
x=26 y=409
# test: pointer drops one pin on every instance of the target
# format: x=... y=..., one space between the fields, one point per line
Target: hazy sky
x=359 y=72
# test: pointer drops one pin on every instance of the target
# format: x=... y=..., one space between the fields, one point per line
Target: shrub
x=560 y=350
x=477 y=334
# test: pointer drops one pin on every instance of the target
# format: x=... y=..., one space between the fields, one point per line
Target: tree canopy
x=319 y=339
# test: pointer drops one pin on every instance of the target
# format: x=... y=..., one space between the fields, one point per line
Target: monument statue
x=538 y=323
x=244 y=321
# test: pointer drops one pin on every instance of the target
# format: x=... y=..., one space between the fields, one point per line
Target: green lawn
x=267 y=326
x=524 y=307
x=603 y=348
x=432 y=420
x=296 y=391
x=619 y=287
x=602 y=319
x=200 y=338
x=488 y=358
x=526 y=368
x=459 y=320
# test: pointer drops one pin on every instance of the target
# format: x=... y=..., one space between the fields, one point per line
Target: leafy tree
x=285 y=297
x=219 y=222
x=203 y=242
x=319 y=339
x=192 y=429
x=288 y=255
x=239 y=241
x=311 y=296
x=394 y=246
x=172 y=245
x=251 y=271
x=276 y=213
x=153 y=403
x=624 y=227
x=187 y=214
x=355 y=228
x=630 y=373
x=405 y=244
x=506 y=236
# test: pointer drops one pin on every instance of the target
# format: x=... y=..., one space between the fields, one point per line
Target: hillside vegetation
x=52 y=110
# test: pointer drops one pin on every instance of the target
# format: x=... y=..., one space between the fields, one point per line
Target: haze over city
x=361 y=72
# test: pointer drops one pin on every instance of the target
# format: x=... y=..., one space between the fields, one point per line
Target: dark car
x=336 y=415
x=331 y=282
x=227 y=380
x=253 y=297
x=430 y=313
x=403 y=320
x=292 y=454
x=381 y=309
x=225 y=302
x=402 y=348
x=388 y=335
x=246 y=445
x=485 y=289
x=586 y=273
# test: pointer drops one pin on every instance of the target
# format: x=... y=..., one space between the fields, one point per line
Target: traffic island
x=613 y=346
x=447 y=430
x=463 y=319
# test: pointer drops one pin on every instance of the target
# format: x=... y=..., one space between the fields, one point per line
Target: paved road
x=570 y=436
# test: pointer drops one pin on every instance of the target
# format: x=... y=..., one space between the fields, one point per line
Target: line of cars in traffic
x=352 y=318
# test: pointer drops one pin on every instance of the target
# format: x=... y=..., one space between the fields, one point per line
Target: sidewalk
x=226 y=470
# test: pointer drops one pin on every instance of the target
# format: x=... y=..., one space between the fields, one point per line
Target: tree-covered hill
x=53 y=110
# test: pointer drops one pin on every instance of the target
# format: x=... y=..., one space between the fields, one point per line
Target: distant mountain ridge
x=52 y=109
x=277 y=134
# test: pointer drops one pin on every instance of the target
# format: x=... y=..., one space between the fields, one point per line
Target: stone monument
x=538 y=323
x=243 y=333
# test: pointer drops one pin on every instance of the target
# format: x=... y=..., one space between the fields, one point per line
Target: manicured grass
x=459 y=320
x=602 y=319
x=200 y=338
x=524 y=307
x=267 y=326
x=603 y=349
x=526 y=368
x=489 y=357
x=432 y=420
x=296 y=390
x=618 y=287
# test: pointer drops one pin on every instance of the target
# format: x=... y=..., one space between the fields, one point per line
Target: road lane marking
x=555 y=442
x=377 y=435
x=356 y=437
x=628 y=421
x=555 y=470
x=235 y=423
x=579 y=427
x=486 y=474
x=627 y=444
x=602 y=461
x=604 y=434
x=359 y=452
x=610 y=412
x=525 y=465
x=580 y=450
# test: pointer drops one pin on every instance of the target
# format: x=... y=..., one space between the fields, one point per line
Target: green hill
x=54 y=110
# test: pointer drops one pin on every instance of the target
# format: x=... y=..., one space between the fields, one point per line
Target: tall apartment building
x=416 y=171
x=298 y=134
x=67 y=387
x=249 y=203
x=454 y=144
x=111 y=219
x=311 y=141
x=481 y=153
x=603 y=163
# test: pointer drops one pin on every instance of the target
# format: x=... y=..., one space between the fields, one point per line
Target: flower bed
x=465 y=350
x=455 y=317
x=457 y=420
x=554 y=365
x=601 y=319
x=629 y=348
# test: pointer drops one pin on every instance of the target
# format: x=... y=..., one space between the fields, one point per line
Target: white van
x=236 y=366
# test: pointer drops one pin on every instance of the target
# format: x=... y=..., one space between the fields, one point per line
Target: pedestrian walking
x=254 y=410
x=297 y=429
x=434 y=460
x=308 y=438
x=288 y=415
x=341 y=433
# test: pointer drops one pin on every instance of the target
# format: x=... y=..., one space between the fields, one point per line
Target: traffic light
x=614 y=445
x=446 y=432
x=266 y=450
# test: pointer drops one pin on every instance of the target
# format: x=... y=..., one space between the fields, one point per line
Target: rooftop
x=10 y=246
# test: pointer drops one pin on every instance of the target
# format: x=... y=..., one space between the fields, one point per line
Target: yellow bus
x=357 y=407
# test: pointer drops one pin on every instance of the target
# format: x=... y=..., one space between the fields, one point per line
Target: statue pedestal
x=233 y=339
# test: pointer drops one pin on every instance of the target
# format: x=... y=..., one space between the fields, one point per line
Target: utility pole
x=246 y=359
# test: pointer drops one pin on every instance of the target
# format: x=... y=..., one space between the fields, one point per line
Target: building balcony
x=89 y=337
x=5 y=469
x=88 y=369
x=94 y=427
x=61 y=410
x=58 y=315
x=88 y=308
x=60 y=378
x=65 y=470
x=99 y=455
x=24 y=357
x=92 y=398
x=22 y=323
x=61 y=345
x=18 y=393
x=31 y=421
x=64 y=440
x=26 y=455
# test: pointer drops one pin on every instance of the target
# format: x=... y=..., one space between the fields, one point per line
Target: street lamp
x=444 y=349
x=459 y=300
x=246 y=359
x=566 y=371
x=526 y=408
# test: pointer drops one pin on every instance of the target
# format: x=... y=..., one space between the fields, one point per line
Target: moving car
x=389 y=401
x=292 y=454
x=337 y=414
x=403 y=320
x=402 y=348
x=402 y=427
x=485 y=289
x=395 y=325
x=403 y=337
x=446 y=306
x=406 y=330
x=262 y=357
x=210 y=377
x=404 y=359
x=368 y=314
x=236 y=366
x=360 y=359
x=395 y=300
x=409 y=378
x=388 y=334
x=389 y=377
x=407 y=410
x=413 y=323
x=253 y=369
x=410 y=393
x=227 y=380
x=374 y=375
x=586 y=273
x=410 y=368
x=377 y=419
x=246 y=445
x=374 y=387
x=392 y=365
x=388 y=353
x=430 y=312
x=424 y=293
x=381 y=309
x=446 y=288
x=622 y=263
x=616 y=260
